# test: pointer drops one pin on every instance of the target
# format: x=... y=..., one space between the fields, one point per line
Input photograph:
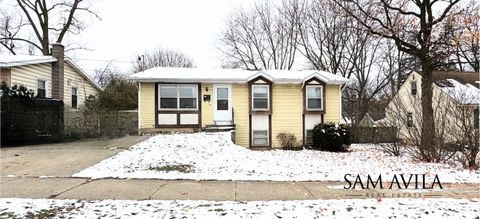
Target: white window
x=314 y=97
x=260 y=97
x=41 y=88
x=177 y=96
x=260 y=138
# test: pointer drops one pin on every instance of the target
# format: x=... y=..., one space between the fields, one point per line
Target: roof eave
x=28 y=62
x=83 y=73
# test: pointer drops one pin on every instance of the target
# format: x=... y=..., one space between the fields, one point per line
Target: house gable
x=74 y=79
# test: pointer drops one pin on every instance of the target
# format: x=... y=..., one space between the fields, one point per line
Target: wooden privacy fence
x=374 y=134
x=31 y=120
x=94 y=124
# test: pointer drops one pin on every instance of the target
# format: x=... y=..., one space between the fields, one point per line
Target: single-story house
x=54 y=76
x=456 y=101
x=258 y=105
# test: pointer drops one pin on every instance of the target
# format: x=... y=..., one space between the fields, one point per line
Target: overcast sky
x=190 y=26
x=131 y=27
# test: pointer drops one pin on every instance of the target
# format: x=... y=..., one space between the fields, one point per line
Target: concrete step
x=219 y=128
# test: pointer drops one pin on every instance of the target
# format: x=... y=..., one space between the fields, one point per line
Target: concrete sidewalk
x=138 y=189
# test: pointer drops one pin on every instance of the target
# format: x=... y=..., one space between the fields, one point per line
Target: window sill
x=261 y=112
x=177 y=111
x=314 y=111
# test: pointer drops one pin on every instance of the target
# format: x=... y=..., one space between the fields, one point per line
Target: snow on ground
x=346 y=208
x=215 y=157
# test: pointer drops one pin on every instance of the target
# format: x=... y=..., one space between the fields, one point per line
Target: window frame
x=45 y=89
x=227 y=98
x=76 y=97
x=413 y=92
x=409 y=119
x=178 y=97
x=253 y=86
x=321 y=97
x=266 y=137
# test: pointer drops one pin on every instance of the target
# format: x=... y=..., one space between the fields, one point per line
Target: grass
x=183 y=168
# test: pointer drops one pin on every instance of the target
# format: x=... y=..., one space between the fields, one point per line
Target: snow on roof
x=167 y=74
x=462 y=93
x=16 y=60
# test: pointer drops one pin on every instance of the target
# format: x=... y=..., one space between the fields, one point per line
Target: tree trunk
x=428 y=122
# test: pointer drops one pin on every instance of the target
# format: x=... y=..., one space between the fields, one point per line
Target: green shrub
x=331 y=137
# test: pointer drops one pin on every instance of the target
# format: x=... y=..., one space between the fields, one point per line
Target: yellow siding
x=240 y=107
x=287 y=106
x=207 y=107
x=147 y=105
x=332 y=103
x=27 y=75
x=73 y=78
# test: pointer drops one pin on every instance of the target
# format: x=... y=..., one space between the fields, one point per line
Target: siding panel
x=147 y=103
x=240 y=107
x=287 y=105
x=207 y=106
x=332 y=102
x=27 y=76
x=72 y=78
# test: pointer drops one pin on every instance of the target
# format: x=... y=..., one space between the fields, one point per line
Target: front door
x=222 y=112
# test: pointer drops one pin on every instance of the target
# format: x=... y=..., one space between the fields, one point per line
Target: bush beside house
x=331 y=137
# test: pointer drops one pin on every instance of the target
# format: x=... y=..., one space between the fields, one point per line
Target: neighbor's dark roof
x=462 y=77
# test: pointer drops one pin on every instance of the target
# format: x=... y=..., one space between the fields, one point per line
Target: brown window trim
x=308 y=82
x=250 y=132
x=304 y=131
x=269 y=84
x=260 y=112
x=178 y=112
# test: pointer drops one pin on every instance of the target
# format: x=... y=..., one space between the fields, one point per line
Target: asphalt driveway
x=60 y=159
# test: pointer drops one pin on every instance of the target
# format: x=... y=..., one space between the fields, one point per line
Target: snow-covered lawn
x=204 y=156
x=350 y=208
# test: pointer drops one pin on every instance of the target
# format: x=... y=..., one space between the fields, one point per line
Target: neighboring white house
x=455 y=95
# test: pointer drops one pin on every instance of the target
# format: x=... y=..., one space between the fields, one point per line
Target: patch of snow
x=169 y=74
x=463 y=94
x=343 y=208
x=44 y=177
x=213 y=156
x=16 y=60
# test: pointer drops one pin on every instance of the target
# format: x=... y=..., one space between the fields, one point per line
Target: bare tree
x=466 y=135
x=8 y=29
x=161 y=57
x=327 y=38
x=404 y=112
x=467 y=37
x=333 y=41
x=264 y=37
x=50 y=22
x=411 y=24
x=396 y=63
